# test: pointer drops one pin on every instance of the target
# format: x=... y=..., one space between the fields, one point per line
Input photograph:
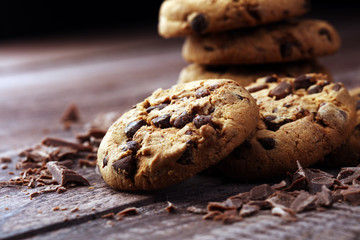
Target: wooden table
x=111 y=72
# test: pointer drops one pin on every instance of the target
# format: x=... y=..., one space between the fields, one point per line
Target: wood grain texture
x=39 y=79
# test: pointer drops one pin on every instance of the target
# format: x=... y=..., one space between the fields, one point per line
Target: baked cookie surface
x=186 y=17
x=176 y=133
x=280 y=42
x=248 y=74
x=348 y=154
x=301 y=119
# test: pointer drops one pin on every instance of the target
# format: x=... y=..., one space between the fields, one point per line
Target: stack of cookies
x=247 y=39
x=256 y=132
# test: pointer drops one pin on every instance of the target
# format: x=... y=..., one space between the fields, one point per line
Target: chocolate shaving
x=196 y=210
x=128 y=212
x=63 y=175
x=170 y=208
x=249 y=210
x=71 y=114
x=57 y=142
x=261 y=192
x=5 y=160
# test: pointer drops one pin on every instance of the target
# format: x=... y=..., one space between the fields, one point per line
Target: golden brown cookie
x=185 y=17
x=247 y=74
x=176 y=133
x=280 y=42
x=348 y=154
x=301 y=119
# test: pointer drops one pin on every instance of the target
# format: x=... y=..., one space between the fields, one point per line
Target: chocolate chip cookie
x=246 y=75
x=348 y=154
x=185 y=17
x=280 y=42
x=301 y=119
x=176 y=133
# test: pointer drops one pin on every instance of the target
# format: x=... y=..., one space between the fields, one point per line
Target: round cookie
x=248 y=74
x=301 y=119
x=176 y=133
x=348 y=154
x=185 y=17
x=280 y=42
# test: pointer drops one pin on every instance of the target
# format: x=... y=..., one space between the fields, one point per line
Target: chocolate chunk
x=302 y=81
x=105 y=161
x=202 y=92
x=304 y=201
x=63 y=175
x=257 y=88
x=281 y=91
x=127 y=166
x=267 y=143
x=200 y=120
x=337 y=87
x=249 y=210
x=274 y=126
x=324 y=198
x=357 y=105
x=132 y=127
x=234 y=202
x=199 y=23
x=188 y=156
x=57 y=142
x=281 y=198
x=325 y=32
x=162 y=121
x=218 y=206
x=239 y=97
x=158 y=107
x=316 y=179
x=352 y=195
x=131 y=145
x=314 y=89
x=348 y=175
x=182 y=120
x=262 y=204
x=261 y=192
x=270 y=79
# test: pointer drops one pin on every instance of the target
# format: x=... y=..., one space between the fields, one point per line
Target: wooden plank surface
x=39 y=79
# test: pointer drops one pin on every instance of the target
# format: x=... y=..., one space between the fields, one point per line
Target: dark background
x=30 y=18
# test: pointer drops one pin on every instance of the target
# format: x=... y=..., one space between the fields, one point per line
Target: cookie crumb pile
x=244 y=40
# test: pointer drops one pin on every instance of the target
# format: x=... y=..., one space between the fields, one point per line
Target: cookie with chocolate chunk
x=301 y=119
x=348 y=154
x=186 y=17
x=280 y=42
x=176 y=133
x=248 y=74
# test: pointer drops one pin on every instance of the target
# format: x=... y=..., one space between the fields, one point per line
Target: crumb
x=74 y=210
x=109 y=215
x=57 y=208
x=4 y=166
